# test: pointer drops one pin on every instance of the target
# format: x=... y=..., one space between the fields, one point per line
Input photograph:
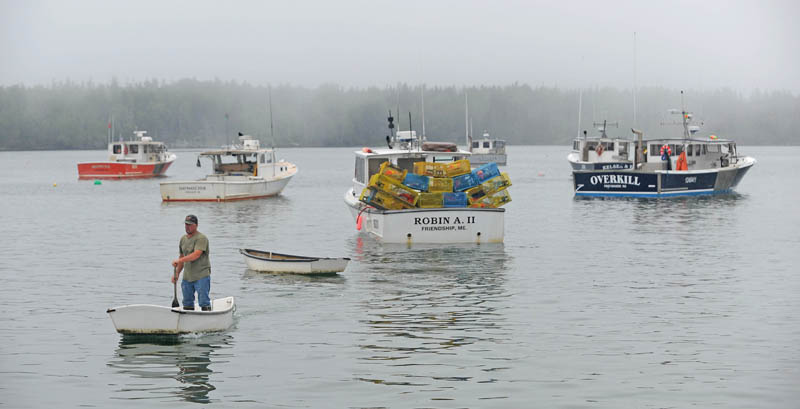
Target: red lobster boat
x=140 y=158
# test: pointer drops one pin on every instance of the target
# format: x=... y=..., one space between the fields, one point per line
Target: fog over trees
x=176 y=69
x=192 y=113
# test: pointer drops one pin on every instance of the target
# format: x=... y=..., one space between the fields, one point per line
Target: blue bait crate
x=456 y=199
x=464 y=182
x=414 y=181
x=486 y=172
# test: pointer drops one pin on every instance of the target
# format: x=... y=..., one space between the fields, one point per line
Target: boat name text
x=616 y=179
x=613 y=166
x=444 y=220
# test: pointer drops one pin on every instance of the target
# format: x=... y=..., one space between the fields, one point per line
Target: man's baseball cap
x=190 y=219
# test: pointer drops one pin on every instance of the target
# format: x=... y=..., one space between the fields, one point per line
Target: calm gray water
x=629 y=303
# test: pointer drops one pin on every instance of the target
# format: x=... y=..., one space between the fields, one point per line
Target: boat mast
x=470 y=129
x=684 y=117
x=580 y=109
x=634 y=79
x=398 y=108
x=391 y=125
x=271 y=133
x=466 y=121
x=422 y=94
x=410 y=133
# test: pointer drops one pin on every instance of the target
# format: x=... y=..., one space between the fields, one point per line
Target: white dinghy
x=158 y=320
x=285 y=263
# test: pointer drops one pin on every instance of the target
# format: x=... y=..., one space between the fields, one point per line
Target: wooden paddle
x=175 y=289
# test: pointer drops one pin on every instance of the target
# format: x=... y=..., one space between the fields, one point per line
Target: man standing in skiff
x=194 y=262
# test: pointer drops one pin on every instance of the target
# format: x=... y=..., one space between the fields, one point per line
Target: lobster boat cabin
x=487 y=150
x=139 y=158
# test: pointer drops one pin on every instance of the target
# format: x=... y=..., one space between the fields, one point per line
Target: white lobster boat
x=487 y=149
x=428 y=225
x=240 y=172
x=146 y=319
x=269 y=261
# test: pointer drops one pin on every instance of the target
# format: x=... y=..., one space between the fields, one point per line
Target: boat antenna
x=580 y=109
x=110 y=132
x=226 y=128
x=398 y=106
x=271 y=132
x=466 y=121
x=634 y=79
x=605 y=124
x=422 y=96
x=410 y=130
x=470 y=128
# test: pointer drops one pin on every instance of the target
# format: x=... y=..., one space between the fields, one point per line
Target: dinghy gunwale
x=294 y=259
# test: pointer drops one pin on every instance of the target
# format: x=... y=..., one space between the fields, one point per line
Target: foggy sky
x=742 y=45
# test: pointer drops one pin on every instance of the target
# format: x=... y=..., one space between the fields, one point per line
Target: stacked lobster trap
x=436 y=185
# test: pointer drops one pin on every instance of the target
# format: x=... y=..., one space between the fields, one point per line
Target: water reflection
x=291 y=278
x=252 y=211
x=426 y=303
x=151 y=362
x=649 y=215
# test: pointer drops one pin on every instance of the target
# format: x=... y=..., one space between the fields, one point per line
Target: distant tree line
x=192 y=113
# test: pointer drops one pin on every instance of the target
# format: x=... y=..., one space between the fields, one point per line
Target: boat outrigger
x=136 y=159
x=241 y=172
x=659 y=167
x=409 y=224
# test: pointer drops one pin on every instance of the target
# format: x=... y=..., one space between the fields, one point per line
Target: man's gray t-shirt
x=200 y=268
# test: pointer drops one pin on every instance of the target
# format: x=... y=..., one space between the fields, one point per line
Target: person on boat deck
x=194 y=262
x=682 y=164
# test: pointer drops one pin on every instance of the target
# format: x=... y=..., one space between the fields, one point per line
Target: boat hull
x=484 y=158
x=160 y=320
x=223 y=188
x=123 y=170
x=439 y=225
x=292 y=264
x=660 y=183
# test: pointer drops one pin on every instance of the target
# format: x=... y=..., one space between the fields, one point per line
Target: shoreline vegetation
x=190 y=113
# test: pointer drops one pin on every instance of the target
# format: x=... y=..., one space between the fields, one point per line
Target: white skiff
x=285 y=263
x=157 y=319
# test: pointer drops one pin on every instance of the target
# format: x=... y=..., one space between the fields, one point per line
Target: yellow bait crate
x=430 y=200
x=390 y=186
x=437 y=170
x=457 y=168
x=440 y=185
